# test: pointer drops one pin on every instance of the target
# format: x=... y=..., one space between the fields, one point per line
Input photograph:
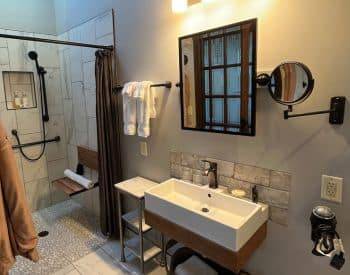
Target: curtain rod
x=53 y=41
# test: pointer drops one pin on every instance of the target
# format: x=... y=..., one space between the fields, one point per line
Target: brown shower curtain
x=110 y=171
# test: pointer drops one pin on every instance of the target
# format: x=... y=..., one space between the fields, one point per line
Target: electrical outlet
x=144 y=149
x=332 y=188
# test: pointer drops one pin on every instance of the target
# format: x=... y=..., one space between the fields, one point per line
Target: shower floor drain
x=43 y=234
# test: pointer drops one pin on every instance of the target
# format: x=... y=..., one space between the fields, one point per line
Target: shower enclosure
x=61 y=113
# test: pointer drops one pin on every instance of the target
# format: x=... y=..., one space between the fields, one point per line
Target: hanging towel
x=146 y=108
x=17 y=232
x=129 y=108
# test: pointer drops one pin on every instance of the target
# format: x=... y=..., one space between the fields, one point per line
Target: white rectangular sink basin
x=223 y=219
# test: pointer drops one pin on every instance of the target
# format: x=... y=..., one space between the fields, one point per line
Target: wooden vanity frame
x=231 y=260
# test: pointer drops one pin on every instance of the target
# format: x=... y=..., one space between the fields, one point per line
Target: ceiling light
x=179 y=6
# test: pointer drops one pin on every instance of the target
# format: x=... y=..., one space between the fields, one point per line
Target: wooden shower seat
x=86 y=157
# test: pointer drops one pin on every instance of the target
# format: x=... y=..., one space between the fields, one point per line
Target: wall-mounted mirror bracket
x=336 y=111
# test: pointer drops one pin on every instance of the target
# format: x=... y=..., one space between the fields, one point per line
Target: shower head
x=33 y=55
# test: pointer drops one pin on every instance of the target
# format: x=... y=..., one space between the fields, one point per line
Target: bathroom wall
x=30 y=15
x=70 y=13
x=79 y=94
x=314 y=32
x=36 y=176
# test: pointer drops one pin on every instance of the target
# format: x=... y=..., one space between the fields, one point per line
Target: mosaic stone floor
x=73 y=234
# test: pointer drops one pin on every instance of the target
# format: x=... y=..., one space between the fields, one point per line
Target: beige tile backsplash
x=273 y=186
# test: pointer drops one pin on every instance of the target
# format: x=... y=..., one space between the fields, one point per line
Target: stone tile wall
x=273 y=186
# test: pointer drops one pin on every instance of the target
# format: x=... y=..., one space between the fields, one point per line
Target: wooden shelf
x=70 y=187
x=87 y=158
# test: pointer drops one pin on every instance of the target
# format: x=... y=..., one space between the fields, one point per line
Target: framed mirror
x=217 y=77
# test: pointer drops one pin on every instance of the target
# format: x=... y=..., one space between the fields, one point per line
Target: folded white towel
x=146 y=108
x=86 y=183
x=129 y=108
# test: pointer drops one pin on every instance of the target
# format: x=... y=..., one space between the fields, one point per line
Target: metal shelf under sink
x=150 y=250
x=132 y=221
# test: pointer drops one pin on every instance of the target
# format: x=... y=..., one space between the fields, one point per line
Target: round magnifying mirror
x=291 y=83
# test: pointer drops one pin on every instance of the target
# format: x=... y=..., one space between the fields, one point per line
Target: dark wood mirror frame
x=246 y=80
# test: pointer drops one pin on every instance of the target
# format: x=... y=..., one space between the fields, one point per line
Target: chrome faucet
x=212 y=174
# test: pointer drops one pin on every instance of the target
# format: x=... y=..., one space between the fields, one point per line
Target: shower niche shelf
x=19 y=89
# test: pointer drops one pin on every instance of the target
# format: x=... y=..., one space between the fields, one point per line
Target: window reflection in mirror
x=218 y=69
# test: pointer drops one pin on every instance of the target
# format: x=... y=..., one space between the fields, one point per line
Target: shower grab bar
x=54 y=41
x=167 y=84
x=56 y=139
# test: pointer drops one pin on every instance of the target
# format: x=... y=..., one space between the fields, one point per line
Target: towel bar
x=167 y=84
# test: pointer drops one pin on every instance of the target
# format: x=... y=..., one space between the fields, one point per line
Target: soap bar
x=238 y=193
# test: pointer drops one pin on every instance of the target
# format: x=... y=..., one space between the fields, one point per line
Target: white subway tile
x=54 y=92
x=76 y=66
x=4 y=56
x=28 y=121
x=55 y=127
x=47 y=52
x=89 y=75
x=92 y=134
x=91 y=104
x=66 y=77
x=79 y=110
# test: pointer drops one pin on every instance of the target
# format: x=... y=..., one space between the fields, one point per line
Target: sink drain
x=205 y=210
x=43 y=234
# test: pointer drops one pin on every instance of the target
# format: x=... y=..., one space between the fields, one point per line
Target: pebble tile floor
x=76 y=246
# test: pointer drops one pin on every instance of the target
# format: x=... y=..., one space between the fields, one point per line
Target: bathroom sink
x=225 y=220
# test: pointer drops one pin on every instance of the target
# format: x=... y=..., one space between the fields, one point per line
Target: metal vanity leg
x=163 y=260
x=141 y=237
x=121 y=235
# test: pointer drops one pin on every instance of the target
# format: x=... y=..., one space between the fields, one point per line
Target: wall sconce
x=179 y=6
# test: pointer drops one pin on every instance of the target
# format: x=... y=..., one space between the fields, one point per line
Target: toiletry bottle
x=17 y=101
x=24 y=100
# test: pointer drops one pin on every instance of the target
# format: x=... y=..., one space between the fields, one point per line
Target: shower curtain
x=110 y=171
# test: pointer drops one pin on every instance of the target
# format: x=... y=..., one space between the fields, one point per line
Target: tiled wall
x=35 y=175
x=72 y=107
x=273 y=186
x=79 y=94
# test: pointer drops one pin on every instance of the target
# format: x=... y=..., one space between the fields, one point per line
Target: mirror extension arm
x=336 y=111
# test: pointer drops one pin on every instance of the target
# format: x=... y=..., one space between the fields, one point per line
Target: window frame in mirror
x=252 y=128
x=307 y=93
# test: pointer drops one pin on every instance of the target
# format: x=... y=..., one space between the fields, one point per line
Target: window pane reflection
x=217 y=51
x=218 y=81
x=218 y=110
x=234 y=81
